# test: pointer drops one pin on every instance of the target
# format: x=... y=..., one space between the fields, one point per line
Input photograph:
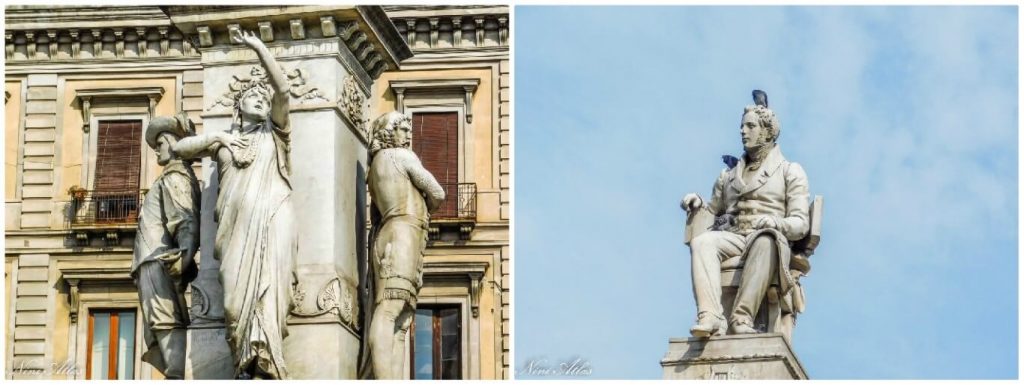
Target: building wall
x=484 y=58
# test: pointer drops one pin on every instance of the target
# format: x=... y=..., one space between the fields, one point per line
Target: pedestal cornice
x=366 y=31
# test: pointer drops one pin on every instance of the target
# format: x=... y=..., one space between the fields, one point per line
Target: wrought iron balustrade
x=103 y=209
x=459 y=202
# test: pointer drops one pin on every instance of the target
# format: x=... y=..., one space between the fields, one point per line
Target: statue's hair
x=767 y=118
x=257 y=86
x=384 y=130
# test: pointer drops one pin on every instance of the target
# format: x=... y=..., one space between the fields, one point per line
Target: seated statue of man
x=404 y=193
x=165 y=244
x=760 y=205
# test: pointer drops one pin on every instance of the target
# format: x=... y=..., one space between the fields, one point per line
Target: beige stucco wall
x=489 y=312
x=72 y=137
x=483 y=132
x=12 y=125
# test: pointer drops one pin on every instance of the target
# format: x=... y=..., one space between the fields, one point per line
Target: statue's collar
x=770 y=164
x=243 y=129
x=175 y=165
x=768 y=167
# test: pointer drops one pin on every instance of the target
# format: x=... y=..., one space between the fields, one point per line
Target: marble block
x=207 y=355
x=732 y=357
x=321 y=351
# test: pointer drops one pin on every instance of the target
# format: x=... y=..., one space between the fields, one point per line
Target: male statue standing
x=760 y=206
x=404 y=193
x=165 y=244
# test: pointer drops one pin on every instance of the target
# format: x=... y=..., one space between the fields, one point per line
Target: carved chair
x=777 y=314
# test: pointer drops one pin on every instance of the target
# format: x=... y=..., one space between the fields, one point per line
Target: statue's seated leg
x=761 y=262
x=708 y=251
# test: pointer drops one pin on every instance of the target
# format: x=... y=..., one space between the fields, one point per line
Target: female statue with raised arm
x=256 y=240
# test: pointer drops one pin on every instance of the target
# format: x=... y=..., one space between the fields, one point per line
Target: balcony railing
x=459 y=202
x=92 y=209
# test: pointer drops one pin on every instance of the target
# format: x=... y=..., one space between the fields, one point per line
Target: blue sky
x=905 y=119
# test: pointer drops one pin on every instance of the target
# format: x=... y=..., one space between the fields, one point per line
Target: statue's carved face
x=254 y=106
x=752 y=133
x=163 y=148
x=403 y=133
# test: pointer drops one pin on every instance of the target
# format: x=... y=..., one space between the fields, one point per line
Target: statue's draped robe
x=168 y=226
x=256 y=245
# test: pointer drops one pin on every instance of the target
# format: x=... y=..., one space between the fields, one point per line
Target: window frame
x=113 y=331
x=91 y=148
x=463 y=148
x=83 y=339
x=469 y=364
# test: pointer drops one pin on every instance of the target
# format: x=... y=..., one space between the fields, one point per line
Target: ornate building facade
x=81 y=84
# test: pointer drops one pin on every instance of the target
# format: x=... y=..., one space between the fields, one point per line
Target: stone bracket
x=75 y=276
x=471 y=271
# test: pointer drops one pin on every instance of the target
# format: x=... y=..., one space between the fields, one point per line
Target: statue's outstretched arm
x=423 y=180
x=195 y=147
x=198 y=146
x=278 y=80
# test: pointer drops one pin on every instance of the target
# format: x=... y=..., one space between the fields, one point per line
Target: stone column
x=331 y=54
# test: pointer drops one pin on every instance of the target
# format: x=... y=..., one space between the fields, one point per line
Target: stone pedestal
x=331 y=55
x=742 y=357
x=207 y=353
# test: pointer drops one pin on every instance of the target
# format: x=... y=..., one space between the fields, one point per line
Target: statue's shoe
x=743 y=329
x=709 y=325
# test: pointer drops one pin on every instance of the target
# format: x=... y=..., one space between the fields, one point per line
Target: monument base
x=749 y=356
x=207 y=354
x=321 y=351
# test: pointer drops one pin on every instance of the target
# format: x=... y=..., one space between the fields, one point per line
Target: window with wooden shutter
x=436 y=335
x=435 y=139
x=118 y=168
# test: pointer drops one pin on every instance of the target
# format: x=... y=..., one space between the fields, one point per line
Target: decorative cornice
x=371 y=40
x=75 y=276
x=38 y=17
x=465 y=86
x=442 y=28
x=415 y=11
x=84 y=44
x=85 y=98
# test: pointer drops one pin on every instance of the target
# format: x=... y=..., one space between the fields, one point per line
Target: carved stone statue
x=761 y=207
x=165 y=244
x=403 y=193
x=257 y=240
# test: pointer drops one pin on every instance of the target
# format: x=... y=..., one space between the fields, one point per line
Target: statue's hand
x=230 y=141
x=246 y=37
x=691 y=202
x=766 y=222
